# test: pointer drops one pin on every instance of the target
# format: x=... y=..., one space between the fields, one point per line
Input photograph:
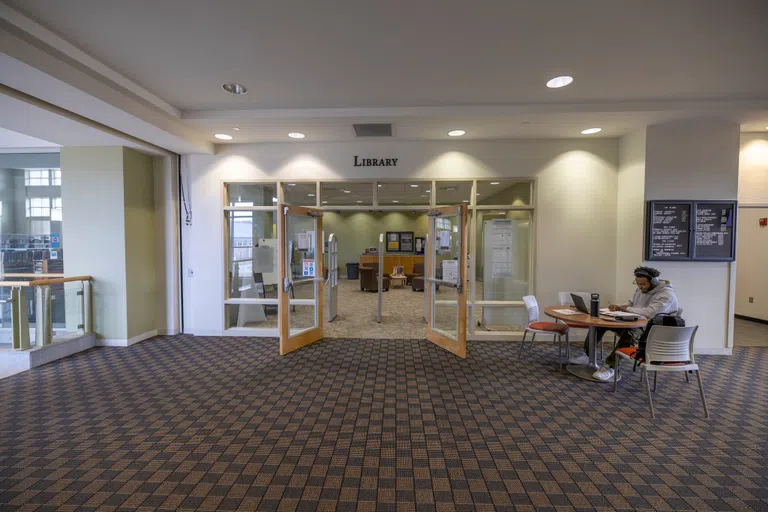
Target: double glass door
x=301 y=277
x=446 y=279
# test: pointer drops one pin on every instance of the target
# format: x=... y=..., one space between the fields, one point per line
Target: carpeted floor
x=195 y=423
x=750 y=334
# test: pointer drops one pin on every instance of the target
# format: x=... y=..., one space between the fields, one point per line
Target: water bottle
x=594 y=305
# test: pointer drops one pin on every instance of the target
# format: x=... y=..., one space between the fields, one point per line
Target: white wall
x=630 y=207
x=752 y=250
x=576 y=186
x=697 y=160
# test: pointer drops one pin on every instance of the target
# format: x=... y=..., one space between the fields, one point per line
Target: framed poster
x=406 y=241
x=421 y=243
x=393 y=241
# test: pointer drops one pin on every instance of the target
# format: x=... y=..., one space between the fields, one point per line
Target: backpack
x=666 y=319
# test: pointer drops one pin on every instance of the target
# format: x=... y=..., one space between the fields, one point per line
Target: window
x=37 y=177
x=404 y=193
x=504 y=192
x=40 y=227
x=56 y=211
x=56 y=179
x=346 y=194
x=252 y=194
x=38 y=207
x=300 y=194
x=453 y=192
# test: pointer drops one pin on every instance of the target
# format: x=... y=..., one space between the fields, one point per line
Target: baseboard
x=122 y=342
x=707 y=351
x=751 y=319
x=167 y=332
x=16 y=361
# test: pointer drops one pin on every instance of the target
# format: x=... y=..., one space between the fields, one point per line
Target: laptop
x=578 y=301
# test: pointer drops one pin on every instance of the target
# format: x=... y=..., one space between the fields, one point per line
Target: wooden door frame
x=288 y=344
x=459 y=345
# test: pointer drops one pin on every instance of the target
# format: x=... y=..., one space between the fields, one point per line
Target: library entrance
x=301 y=293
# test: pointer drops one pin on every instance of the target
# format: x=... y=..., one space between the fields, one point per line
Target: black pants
x=626 y=339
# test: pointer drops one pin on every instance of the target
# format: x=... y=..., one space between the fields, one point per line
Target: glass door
x=446 y=268
x=301 y=277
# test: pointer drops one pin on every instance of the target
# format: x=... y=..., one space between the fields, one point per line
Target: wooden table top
x=603 y=321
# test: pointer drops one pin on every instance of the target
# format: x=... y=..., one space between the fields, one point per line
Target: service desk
x=393 y=260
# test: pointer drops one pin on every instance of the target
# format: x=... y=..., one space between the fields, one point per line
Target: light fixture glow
x=274 y=199
x=560 y=81
x=465 y=201
x=456 y=133
x=325 y=202
x=222 y=136
x=590 y=131
x=236 y=128
x=358 y=201
x=347 y=191
x=234 y=88
x=296 y=135
x=494 y=183
x=395 y=201
x=379 y=185
x=311 y=195
x=291 y=184
x=414 y=186
x=427 y=191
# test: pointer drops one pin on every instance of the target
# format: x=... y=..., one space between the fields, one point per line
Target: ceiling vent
x=373 y=130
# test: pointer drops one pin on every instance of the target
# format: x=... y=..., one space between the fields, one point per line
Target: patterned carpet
x=184 y=423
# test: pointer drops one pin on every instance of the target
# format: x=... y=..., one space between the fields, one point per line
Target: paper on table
x=567 y=312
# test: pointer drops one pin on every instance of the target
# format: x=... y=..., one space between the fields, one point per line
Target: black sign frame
x=734 y=206
x=693 y=205
x=649 y=240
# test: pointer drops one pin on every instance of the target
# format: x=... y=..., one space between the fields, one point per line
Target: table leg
x=585 y=371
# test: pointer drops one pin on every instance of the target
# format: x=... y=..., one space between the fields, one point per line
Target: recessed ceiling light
x=291 y=184
x=456 y=133
x=358 y=201
x=347 y=191
x=379 y=185
x=494 y=183
x=427 y=191
x=560 y=81
x=311 y=195
x=477 y=194
x=414 y=186
x=234 y=88
x=450 y=189
x=465 y=201
x=236 y=128
x=395 y=201
x=222 y=136
x=296 y=135
x=325 y=202
x=590 y=131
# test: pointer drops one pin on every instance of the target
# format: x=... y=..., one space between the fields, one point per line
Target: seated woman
x=652 y=297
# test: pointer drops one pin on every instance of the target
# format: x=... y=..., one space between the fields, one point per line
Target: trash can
x=352 y=270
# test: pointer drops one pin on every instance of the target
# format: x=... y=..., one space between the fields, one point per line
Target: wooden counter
x=394 y=260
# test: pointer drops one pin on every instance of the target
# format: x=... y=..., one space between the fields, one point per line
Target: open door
x=301 y=276
x=446 y=278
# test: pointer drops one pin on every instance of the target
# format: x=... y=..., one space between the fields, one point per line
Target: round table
x=606 y=322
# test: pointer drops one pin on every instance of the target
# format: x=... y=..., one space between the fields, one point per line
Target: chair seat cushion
x=549 y=327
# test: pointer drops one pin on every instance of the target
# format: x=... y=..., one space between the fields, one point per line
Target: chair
x=535 y=327
x=369 y=278
x=565 y=299
x=418 y=271
x=668 y=349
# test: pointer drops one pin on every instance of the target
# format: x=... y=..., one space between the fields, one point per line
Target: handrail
x=44 y=282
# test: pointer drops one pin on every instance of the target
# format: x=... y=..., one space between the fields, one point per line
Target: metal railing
x=43 y=313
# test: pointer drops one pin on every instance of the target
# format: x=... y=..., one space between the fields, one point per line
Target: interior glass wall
x=31 y=244
x=501 y=242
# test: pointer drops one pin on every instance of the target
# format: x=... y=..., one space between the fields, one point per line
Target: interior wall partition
x=501 y=242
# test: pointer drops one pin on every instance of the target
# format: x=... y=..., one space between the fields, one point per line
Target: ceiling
x=10 y=140
x=428 y=66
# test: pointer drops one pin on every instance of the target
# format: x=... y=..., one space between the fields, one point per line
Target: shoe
x=582 y=359
x=604 y=373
